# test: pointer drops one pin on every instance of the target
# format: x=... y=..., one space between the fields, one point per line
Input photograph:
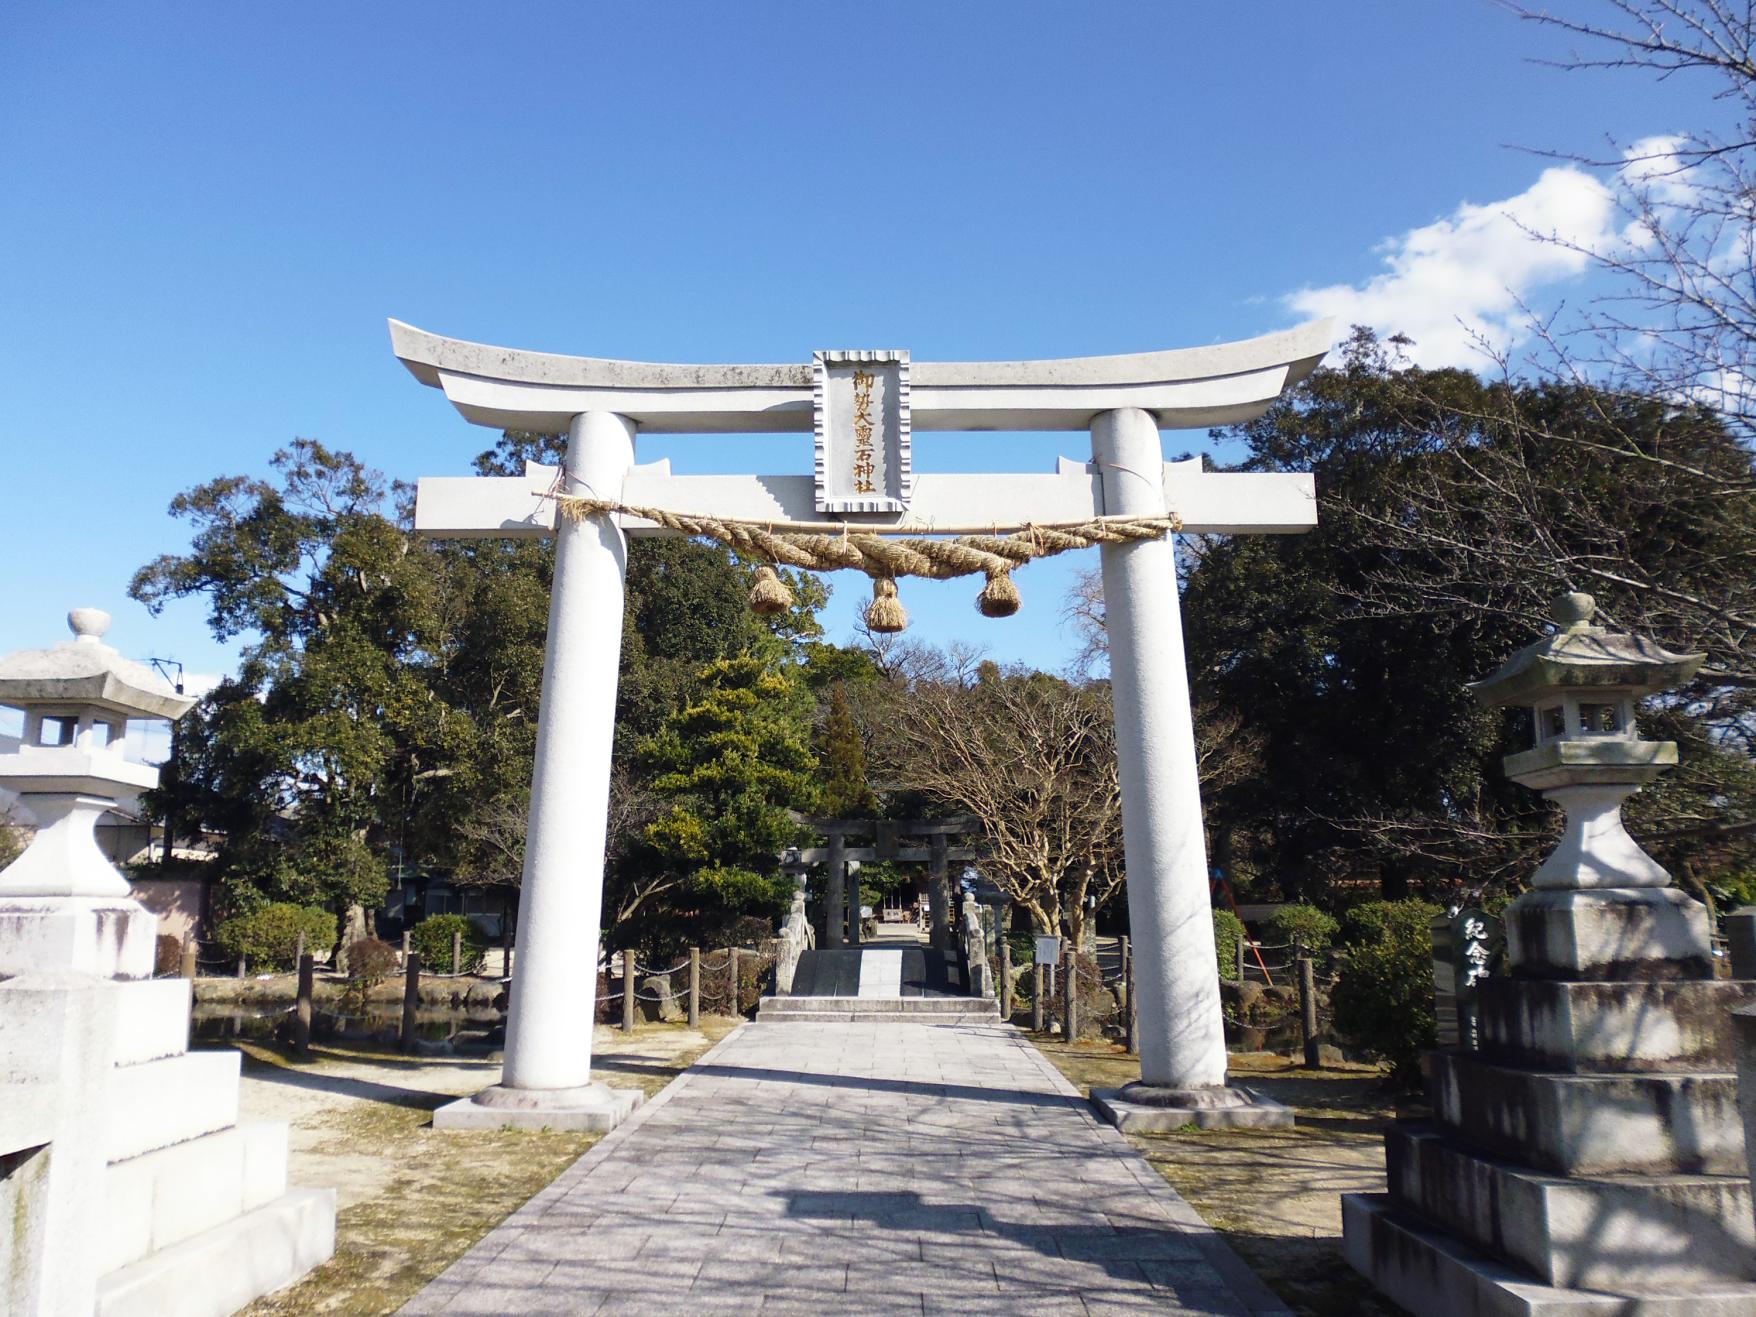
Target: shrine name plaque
x=860 y=415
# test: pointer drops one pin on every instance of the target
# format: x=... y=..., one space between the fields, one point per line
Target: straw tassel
x=770 y=595
x=999 y=597
x=885 y=614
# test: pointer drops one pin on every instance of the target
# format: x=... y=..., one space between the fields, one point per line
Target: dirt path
x=411 y=1200
x=1274 y=1194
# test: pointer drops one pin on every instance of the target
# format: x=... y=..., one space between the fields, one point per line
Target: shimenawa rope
x=874 y=551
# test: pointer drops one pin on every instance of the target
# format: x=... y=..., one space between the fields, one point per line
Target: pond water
x=227 y=1022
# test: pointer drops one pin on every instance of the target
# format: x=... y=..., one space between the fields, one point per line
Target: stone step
x=220 y=1270
x=1591 y=1232
x=1602 y=1124
x=913 y=1010
x=152 y=1019
x=879 y=971
x=1428 y=1272
x=171 y=1100
x=161 y=1198
x=1584 y=1027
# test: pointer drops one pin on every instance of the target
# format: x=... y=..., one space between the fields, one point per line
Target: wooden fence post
x=737 y=983
x=242 y=966
x=302 y=1013
x=1005 y=979
x=1245 y=938
x=299 y=954
x=1308 y=1007
x=1036 y=996
x=628 y=959
x=1070 y=995
x=411 y=998
x=694 y=987
x=405 y=949
x=1129 y=1019
x=457 y=951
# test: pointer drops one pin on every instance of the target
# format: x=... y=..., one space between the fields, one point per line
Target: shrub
x=268 y=938
x=432 y=938
x=1383 y=997
x=1312 y=928
x=1373 y=921
x=369 y=963
x=1228 y=931
x=167 y=959
x=371 y=960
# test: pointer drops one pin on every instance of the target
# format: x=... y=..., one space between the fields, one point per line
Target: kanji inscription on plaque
x=860 y=406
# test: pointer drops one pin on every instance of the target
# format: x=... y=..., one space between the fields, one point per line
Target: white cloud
x=1471 y=273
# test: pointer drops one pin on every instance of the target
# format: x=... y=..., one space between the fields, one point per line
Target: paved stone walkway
x=854 y=1168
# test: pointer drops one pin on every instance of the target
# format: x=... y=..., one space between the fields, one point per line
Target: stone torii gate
x=841 y=889
x=863 y=408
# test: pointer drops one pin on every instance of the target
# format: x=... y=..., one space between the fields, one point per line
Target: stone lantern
x=63 y=905
x=1587 y=1156
x=1581 y=685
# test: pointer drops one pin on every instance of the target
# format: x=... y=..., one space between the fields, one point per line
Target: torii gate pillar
x=546 y=1081
x=1176 y=973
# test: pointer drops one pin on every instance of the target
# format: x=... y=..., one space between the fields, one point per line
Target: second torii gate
x=863 y=407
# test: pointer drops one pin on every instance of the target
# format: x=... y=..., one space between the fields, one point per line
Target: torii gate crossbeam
x=1123 y=402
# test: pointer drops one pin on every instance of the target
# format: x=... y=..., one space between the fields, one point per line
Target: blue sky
x=207 y=212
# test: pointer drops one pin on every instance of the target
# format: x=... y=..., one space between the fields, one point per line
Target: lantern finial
x=88 y=623
x=1573 y=610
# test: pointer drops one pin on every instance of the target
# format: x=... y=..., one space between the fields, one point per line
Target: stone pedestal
x=106 y=937
x=1590 y=1158
x=591 y=1108
x=156 y=1199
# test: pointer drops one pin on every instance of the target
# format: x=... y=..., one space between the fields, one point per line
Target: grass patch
x=414 y=1200
x=1275 y=1195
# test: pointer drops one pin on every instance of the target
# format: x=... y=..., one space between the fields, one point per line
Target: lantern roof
x=85 y=671
x=1579 y=654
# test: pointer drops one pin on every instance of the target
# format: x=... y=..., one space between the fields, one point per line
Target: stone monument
x=1588 y=1158
x=128 y=1184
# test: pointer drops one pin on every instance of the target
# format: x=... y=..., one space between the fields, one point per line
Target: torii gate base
x=864 y=476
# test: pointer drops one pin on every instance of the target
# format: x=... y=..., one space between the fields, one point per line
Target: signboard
x=1464 y=947
x=860 y=415
x=1048 y=950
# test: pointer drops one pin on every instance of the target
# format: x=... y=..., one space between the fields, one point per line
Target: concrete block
x=106 y=938
x=1437 y=1276
x=1137 y=1118
x=1570 y=1026
x=1615 y=933
x=1582 y=1232
x=265 y=1162
x=187 y=1188
x=176 y=1098
x=594 y=1113
x=152 y=1019
x=1650 y=1124
x=220 y=1270
x=1744 y=1024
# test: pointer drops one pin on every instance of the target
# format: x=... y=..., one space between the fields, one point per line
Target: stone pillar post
x=547 y=1076
x=1176 y=976
x=856 y=935
x=834 y=893
x=939 y=891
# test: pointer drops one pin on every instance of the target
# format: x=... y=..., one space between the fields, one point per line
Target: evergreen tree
x=842 y=751
x=730 y=769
